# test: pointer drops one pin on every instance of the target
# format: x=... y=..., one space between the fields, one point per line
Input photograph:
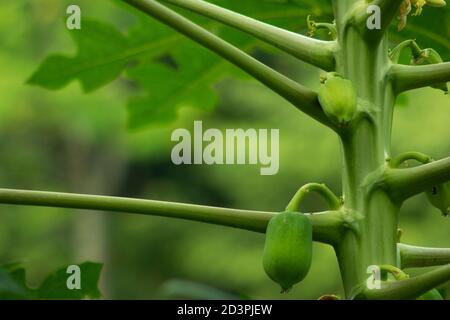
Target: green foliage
x=13 y=284
x=104 y=52
x=168 y=88
x=100 y=59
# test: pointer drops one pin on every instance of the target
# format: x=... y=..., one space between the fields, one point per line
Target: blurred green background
x=72 y=142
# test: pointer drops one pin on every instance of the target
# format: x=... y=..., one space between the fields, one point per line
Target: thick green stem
x=414 y=257
x=365 y=146
x=316 y=52
x=300 y=96
x=326 y=225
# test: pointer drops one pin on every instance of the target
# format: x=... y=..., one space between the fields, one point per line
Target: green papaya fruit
x=288 y=248
x=431 y=295
x=439 y=197
x=337 y=96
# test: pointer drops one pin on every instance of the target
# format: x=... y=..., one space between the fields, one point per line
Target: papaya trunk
x=365 y=147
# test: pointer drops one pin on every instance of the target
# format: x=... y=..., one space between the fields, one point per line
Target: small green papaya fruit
x=337 y=96
x=431 y=295
x=288 y=248
x=439 y=197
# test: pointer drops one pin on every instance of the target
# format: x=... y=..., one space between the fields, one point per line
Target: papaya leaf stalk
x=405 y=183
x=412 y=77
x=416 y=257
x=327 y=226
x=316 y=52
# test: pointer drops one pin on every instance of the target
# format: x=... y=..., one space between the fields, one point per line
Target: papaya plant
x=362 y=78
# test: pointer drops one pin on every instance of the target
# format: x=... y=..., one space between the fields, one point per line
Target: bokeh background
x=69 y=141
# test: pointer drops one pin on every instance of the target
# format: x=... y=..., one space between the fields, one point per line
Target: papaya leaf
x=55 y=285
x=13 y=284
x=100 y=59
x=169 y=88
x=104 y=53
